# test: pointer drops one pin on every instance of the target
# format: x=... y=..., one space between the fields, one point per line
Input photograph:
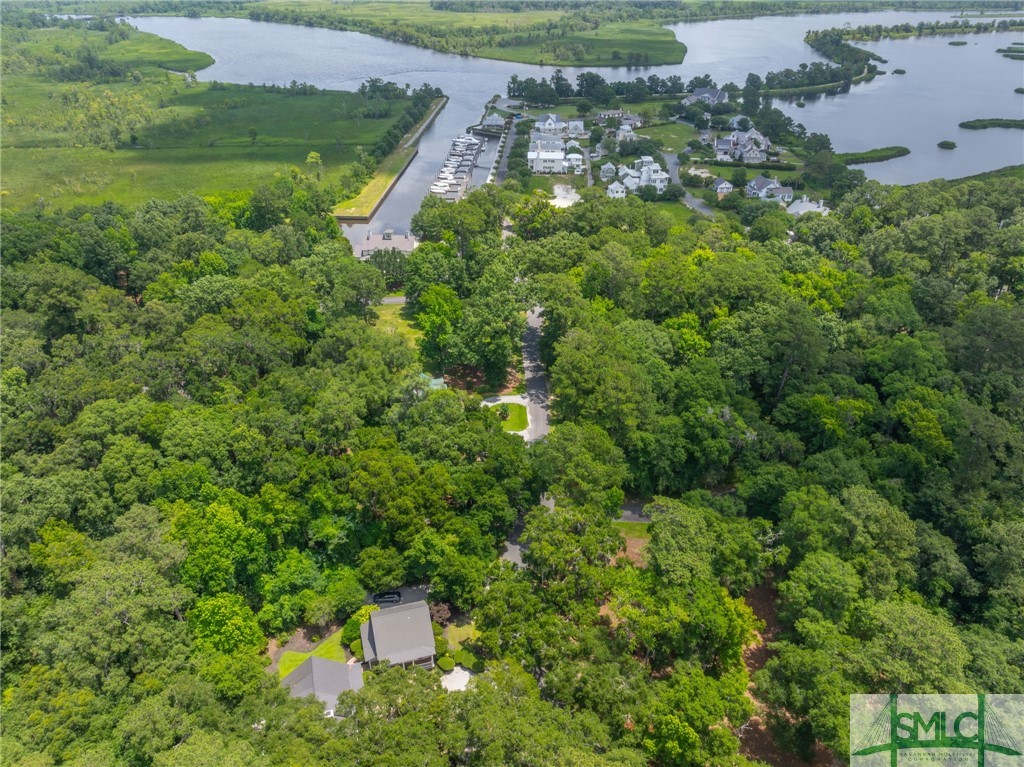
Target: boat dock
x=452 y=181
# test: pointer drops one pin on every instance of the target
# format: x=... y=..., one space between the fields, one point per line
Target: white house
x=723 y=149
x=722 y=187
x=575 y=128
x=551 y=123
x=762 y=186
x=656 y=177
x=574 y=162
x=546 y=161
x=616 y=191
x=625 y=133
x=607 y=171
x=783 y=193
x=645 y=161
x=805 y=205
x=767 y=188
x=707 y=95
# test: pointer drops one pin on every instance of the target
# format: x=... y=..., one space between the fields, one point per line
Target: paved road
x=536 y=412
x=503 y=163
x=536 y=378
x=688 y=199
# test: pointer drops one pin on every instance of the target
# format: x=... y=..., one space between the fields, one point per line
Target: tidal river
x=943 y=85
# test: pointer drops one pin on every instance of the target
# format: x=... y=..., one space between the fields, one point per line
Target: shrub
x=445 y=663
x=468 y=660
x=350 y=631
x=357 y=649
x=440 y=612
x=440 y=645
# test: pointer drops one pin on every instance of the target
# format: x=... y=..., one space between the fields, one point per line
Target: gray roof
x=718 y=182
x=399 y=634
x=326 y=679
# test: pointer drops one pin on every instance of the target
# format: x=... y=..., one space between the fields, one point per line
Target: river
x=944 y=84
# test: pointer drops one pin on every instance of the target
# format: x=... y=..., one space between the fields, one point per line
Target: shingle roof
x=399 y=634
x=326 y=679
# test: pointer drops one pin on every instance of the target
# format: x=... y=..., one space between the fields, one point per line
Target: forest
x=209 y=442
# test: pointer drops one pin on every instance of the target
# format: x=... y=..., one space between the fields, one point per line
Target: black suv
x=387 y=597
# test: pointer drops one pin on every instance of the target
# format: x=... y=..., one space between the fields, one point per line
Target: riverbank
x=156 y=132
x=360 y=209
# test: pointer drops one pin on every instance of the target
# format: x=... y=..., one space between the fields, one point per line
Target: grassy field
x=680 y=214
x=364 y=205
x=196 y=139
x=640 y=530
x=330 y=648
x=673 y=136
x=396 y=320
x=457 y=634
x=596 y=48
x=562 y=38
x=517 y=419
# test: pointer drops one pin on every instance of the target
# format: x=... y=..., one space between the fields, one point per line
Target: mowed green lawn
x=330 y=648
x=200 y=139
x=641 y=530
x=517 y=418
x=672 y=137
x=396 y=320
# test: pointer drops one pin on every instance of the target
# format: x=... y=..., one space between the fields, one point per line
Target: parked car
x=387 y=597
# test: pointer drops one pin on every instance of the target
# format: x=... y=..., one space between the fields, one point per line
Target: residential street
x=672 y=161
x=537 y=414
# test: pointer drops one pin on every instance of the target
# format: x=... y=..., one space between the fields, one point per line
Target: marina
x=452 y=180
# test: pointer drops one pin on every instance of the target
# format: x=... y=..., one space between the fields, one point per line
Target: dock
x=452 y=180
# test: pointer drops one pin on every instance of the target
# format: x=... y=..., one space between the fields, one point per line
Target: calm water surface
x=944 y=84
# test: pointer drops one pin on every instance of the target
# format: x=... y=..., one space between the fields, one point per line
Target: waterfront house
x=493 y=121
x=387 y=240
x=707 y=95
x=401 y=635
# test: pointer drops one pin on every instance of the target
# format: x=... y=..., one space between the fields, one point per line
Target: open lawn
x=330 y=648
x=680 y=214
x=672 y=137
x=457 y=634
x=204 y=139
x=517 y=418
x=396 y=320
x=639 y=530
